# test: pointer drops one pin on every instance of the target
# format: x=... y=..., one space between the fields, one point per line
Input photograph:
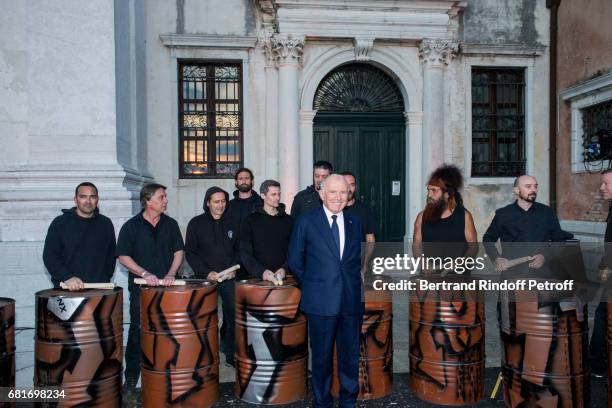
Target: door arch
x=359 y=127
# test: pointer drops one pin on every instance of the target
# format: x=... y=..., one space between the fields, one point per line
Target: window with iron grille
x=597 y=131
x=210 y=119
x=498 y=122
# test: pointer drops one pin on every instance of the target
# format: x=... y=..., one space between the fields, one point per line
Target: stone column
x=435 y=55
x=306 y=146
x=414 y=176
x=71 y=110
x=288 y=50
x=271 y=109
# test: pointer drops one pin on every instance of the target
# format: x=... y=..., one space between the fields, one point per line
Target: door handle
x=372 y=195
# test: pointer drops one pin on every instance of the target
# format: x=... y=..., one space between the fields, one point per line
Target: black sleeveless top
x=450 y=230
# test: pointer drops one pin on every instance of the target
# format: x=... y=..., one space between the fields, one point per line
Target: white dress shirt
x=340 y=222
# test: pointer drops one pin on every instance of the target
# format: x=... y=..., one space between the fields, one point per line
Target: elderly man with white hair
x=325 y=258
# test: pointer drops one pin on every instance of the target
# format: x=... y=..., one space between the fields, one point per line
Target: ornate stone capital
x=437 y=51
x=288 y=49
x=363 y=46
x=264 y=39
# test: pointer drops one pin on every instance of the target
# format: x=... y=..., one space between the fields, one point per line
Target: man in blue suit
x=325 y=258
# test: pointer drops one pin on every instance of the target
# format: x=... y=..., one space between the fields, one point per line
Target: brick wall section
x=583 y=53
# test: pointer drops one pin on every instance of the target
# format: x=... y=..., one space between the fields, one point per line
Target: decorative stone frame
x=581 y=96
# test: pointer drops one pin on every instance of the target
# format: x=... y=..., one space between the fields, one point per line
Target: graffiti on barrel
x=79 y=345
x=7 y=342
x=376 y=348
x=447 y=347
x=544 y=355
x=271 y=347
x=180 y=357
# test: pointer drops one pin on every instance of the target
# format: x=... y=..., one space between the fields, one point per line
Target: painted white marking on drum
x=64 y=307
x=255 y=391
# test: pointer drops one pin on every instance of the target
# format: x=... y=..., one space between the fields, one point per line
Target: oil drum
x=609 y=309
x=544 y=352
x=271 y=343
x=79 y=345
x=180 y=348
x=447 y=344
x=376 y=347
x=7 y=342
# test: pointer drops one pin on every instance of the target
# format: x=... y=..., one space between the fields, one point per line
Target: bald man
x=527 y=221
x=525 y=228
x=325 y=258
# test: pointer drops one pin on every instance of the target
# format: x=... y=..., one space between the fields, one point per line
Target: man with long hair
x=444 y=219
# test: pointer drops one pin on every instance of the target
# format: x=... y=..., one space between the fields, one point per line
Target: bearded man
x=444 y=219
x=245 y=199
x=525 y=220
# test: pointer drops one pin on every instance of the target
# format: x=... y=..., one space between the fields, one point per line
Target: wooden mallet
x=104 y=285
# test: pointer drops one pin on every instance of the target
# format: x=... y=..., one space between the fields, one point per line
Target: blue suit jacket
x=330 y=285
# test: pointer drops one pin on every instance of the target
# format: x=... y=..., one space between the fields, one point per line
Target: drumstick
x=221 y=276
x=517 y=261
x=107 y=285
x=177 y=282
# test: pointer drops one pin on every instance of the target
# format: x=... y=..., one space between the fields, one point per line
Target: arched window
x=358 y=88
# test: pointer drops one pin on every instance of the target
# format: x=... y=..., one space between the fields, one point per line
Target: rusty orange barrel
x=609 y=348
x=544 y=355
x=7 y=342
x=376 y=347
x=180 y=348
x=271 y=343
x=447 y=345
x=79 y=345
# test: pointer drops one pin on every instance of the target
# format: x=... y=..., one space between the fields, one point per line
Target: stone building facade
x=92 y=91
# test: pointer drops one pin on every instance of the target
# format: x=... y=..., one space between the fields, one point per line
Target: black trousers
x=227 y=291
x=598 y=348
x=132 y=350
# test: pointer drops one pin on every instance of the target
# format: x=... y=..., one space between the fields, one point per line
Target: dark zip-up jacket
x=80 y=247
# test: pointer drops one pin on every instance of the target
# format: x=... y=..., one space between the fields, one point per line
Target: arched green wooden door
x=359 y=127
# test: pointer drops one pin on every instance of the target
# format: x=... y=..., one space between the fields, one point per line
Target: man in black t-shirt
x=150 y=246
x=365 y=215
x=361 y=210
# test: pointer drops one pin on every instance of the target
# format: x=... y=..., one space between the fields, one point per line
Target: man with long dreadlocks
x=444 y=226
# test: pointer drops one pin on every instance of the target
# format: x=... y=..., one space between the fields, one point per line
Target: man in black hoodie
x=211 y=246
x=265 y=234
x=80 y=243
x=245 y=198
x=308 y=198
